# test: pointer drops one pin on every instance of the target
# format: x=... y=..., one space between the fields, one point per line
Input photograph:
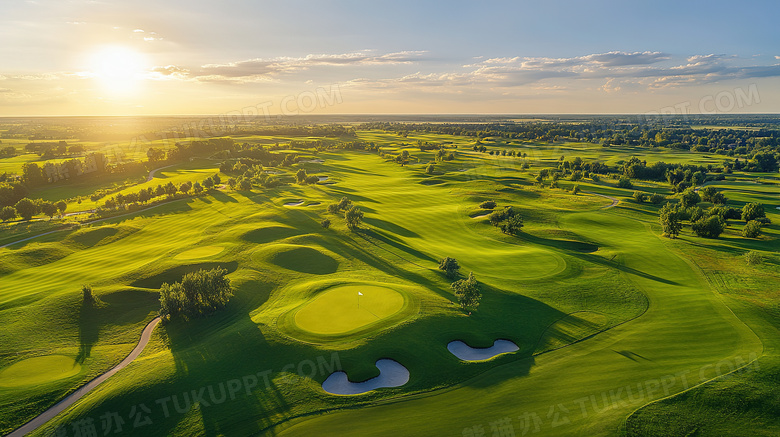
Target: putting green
x=38 y=370
x=200 y=252
x=341 y=310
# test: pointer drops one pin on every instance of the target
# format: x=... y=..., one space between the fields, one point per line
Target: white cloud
x=261 y=69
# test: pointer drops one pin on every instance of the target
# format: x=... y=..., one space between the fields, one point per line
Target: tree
x=625 y=182
x=710 y=227
x=429 y=169
x=488 y=204
x=344 y=203
x=656 y=198
x=208 y=183
x=87 y=295
x=640 y=197
x=217 y=179
x=7 y=213
x=325 y=223
x=245 y=184
x=468 y=291
x=185 y=187
x=199 y=293
x=719 y=199
x=752 y=229
x=61 y=206
x=231 y=183
x=576 y=189
x=311 y=179
x=170 y=189
x=750 y=211
x=512 y=225
x=707 y=193
x=145 y=195
x=450 y=267
x=670 y=221
x=689 y=197
x=26 y=208
x=300 y=176
x=498 y=216
x=753 y=257
x=353 y=216
x=197 y=188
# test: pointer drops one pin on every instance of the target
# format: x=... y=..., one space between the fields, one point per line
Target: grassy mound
x=305 y=260
x=174 y=274
x=39 y=370
x=269 y=234
x=200 y=252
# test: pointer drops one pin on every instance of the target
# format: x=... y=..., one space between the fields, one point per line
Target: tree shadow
x=367 y=234
x=222 y=197
x=89 y=330
x=390 y=227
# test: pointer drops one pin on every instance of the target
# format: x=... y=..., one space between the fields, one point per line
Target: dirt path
x=614 y=200
x=83 y=390
x=153 y=172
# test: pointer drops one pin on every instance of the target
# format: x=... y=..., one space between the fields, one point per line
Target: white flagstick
x=359 y=294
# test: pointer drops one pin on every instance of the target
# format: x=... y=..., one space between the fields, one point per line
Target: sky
x=158 y=57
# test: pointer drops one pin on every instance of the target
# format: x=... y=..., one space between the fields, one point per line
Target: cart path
x=71 y=399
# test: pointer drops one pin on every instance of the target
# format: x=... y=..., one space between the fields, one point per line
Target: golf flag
x=360 y=294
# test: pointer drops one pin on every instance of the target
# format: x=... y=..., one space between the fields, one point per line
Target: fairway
x=200 y=252
x=40 y=370
x=341 y=310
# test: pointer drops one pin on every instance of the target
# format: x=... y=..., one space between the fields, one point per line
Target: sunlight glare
x=119 y=69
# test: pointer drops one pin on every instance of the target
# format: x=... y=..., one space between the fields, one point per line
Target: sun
x=120 y=70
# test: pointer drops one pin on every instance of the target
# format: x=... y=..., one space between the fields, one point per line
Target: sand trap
x=313 y=161
x=200 y=252
x=39 y=370
x=778 y=207
x=481 y=215
x=391 y=374
x=468 y=353
x=314 y=204
x=300 y=202
x=273 y=172
x=322 y=178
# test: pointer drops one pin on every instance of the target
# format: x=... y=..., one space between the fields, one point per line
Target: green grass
x=39 y=370
x=595 y=299
x=348 y=308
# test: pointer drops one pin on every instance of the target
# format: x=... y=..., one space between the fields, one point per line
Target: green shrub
x=753 y=258
x=710 y=227
x=752 y=229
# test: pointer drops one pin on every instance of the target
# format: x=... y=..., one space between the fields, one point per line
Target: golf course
x=340 y=313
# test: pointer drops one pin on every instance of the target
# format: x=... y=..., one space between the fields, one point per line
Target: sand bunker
x=322 y=178
x=468 y=353
x=391 y=374
x=479 y=216
x=300 y=202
